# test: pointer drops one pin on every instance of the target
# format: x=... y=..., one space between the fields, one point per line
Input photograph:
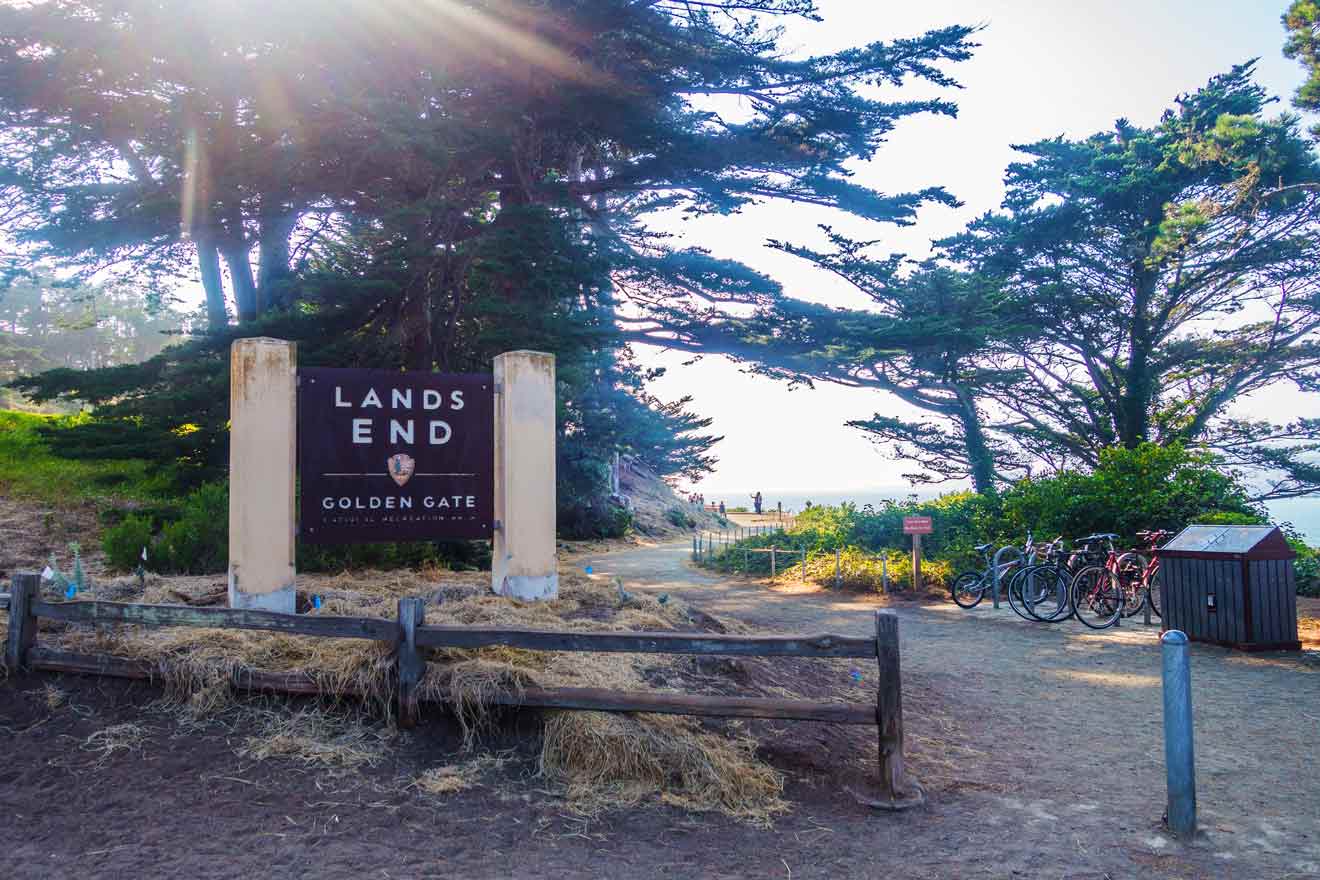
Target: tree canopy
x=423 y=185
x=1133 y=287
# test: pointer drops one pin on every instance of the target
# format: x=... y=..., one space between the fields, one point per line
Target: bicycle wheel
x=1097 y=597
x=1131 y=570
x=1153 y=594
x=1016 y=600
x=968 y=589
x=1045 y=593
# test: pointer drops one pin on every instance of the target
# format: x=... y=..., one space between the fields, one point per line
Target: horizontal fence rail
x=409 y=634
x=646 y=642
x=374 y=628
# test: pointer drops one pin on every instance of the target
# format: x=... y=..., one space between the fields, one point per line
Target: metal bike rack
x=997 y=568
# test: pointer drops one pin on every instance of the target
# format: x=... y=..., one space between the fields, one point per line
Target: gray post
x=1179 y=761
x=889 y=705
x=411 y=664
x=772 y=562
x=884 y=574
x=25 y=590
x=804 y=562
x=838 y=576
x=694 y=548
x=746 y=568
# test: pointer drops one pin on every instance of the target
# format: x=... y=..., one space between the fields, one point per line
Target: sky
x=1044 y=69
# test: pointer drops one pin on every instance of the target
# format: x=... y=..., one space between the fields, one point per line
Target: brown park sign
x=390 y=456
x=918 y=525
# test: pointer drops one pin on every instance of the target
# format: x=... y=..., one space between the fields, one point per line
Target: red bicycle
x=1097 y=593
x=1138 y=573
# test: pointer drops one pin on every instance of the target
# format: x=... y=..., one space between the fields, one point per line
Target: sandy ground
x=1039 y=745
x=1064 y=775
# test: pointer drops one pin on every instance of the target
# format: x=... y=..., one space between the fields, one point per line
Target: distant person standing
x=756 y=503
x=780 y=505
x=721 y=508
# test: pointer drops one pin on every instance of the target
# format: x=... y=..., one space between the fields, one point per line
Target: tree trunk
x=208 y=263
x=1134 y=416
x=273 y=256
x=980 y=459
x=245 y=290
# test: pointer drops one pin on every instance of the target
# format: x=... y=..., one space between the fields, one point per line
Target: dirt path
x=1064 y=730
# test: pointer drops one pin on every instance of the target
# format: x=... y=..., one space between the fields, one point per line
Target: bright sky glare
x=1044 y=69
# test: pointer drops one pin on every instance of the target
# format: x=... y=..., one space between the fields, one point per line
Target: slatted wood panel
x=1256 y=600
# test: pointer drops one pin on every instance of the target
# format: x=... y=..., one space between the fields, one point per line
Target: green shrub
x=198 y=541
x=1129 y=491
x=592 y=520
x=679 y=517
x=123 y=543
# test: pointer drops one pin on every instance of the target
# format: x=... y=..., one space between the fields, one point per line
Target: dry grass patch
x=453 y=778
x=315 y=738
x=106 y=742
x=599 y=760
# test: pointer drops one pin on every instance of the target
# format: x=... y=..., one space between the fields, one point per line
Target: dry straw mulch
x=598 y=760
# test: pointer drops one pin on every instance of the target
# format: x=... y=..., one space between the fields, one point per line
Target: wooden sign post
x=916 y=526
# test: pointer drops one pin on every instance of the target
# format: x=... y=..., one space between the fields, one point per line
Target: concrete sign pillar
x=262 y=433
x=523 y=564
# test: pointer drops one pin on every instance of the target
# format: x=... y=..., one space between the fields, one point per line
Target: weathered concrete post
x=523 y=564
x=262 y=436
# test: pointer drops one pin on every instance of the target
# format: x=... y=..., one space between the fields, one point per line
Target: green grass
x=28 y=469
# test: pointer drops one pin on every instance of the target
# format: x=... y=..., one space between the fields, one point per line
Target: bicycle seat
x=981 y=548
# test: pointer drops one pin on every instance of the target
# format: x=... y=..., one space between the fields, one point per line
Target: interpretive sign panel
x=390 y=456
x=917 y=525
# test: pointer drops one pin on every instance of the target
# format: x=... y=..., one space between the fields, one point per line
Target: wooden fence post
x=889 y=705
x=412 y=614
x=22 y=625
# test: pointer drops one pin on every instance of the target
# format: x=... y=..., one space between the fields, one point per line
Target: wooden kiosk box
x=1232 y=586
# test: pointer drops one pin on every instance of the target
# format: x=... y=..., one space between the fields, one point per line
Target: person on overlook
x=756 y=503
x=721 y=508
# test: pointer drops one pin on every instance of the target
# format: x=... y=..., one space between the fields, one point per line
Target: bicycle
x=1040 y=583
x=970 y=587
x=1139 y=574
x=1097 y=591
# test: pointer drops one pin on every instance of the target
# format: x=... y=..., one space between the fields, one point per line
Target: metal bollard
x=1179 y=760
x=838 y=577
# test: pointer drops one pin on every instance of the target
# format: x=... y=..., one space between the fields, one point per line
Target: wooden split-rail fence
x=409 y=634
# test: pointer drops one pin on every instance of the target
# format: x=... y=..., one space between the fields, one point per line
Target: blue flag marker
x=316 y=601
x=857 y=675
x=71 y=591
x=588 y=569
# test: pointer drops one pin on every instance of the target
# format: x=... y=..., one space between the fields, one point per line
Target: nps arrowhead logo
x=401 y=467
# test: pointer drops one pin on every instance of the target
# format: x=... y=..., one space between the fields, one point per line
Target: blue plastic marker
x=588 y=569
x=316 y=601
x=71 y=591
x=856 y=675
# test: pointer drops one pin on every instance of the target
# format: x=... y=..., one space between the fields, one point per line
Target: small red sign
x=918 y=525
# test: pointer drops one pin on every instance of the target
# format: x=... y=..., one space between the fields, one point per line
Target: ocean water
x=1303 y=514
